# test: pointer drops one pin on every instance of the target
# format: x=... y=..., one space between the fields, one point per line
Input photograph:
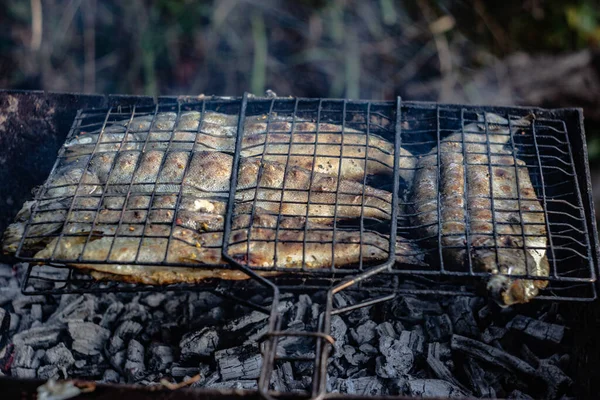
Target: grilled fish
x=492 y=211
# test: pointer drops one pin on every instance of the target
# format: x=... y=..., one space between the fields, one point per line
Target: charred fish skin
x=465 y=198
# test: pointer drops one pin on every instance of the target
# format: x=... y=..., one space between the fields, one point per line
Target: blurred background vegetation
x=443 y=50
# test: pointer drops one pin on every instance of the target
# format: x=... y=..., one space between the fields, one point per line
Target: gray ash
x=446 y=347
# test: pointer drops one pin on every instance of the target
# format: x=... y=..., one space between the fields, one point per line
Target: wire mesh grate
x=188 y=192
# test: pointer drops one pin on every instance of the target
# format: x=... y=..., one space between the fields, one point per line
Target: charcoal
x=463 y=320
x=493 y=333
x=414 y=340
x=26 y=322
x=8 y=294
x=302 y=308
x=338 y=331
x=160 y=357
x=517 y=394
x=23 y=373
x=74 y=308
x=117 y=360
x=243 y=322
x=434 y=388
x=289 y=345
x=282 y=379
x=355 y=357
x=128 y=330
x=438 y=328
x=23 y=357
x=42 y=337
x=4 y=326
x=386 y=329
x=359 y=316
x=14 y=320
x=364 y=333
x=243 y=362
x=180 y=372
x=412 y=309
x=201 y=343
x=89 y=371
x=491 y=355
x=397 y=358
x=115 y=344
x=342 y=299
x=476 y=376
x=368 y=349
x=88 y=338
x=441 y=371
x=134 y=366
x=59 y=355
x=556 y=380
x=153 y=300
x=110 y=376
x=529 y=356
x=134 y=311
x=484 y=313
x=111 y=314
x=36 y=312
x=21 y=304
x=207 y=300
x=239 y=384
x=38 y=357
x=364 y=386
x=48 y=372
x=544 y=331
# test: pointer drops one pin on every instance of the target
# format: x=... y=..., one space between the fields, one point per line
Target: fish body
x=479 y=197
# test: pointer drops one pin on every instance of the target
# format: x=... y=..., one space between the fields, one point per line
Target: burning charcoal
x=537 y=329
x=111 y=314
x=110 y=376
x=201 y=343
x=397 y=358
x=153 y=300
x=557 y=381
x=414 y=340
x=364 y=386
x=160 y=357
x=491 y=355
x=48 y=372
x=493 y=333
x=476 y=376
x=414 y=310
x=134 y=366
x=128 y=330
x=461 y=315
x=42 y=337
x=240 y=384
x=441 y=371
x=365 y=333
x=434 y=388
x=180 y=372
x=23 y=357
x=438 y=328
x=243 y=362
x=88 y=338
x=74 y=307
x=338 y=331
x=60 y=356
x=386 y=329
x=23 y=373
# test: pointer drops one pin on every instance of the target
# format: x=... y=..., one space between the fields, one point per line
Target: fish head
x=507 y=290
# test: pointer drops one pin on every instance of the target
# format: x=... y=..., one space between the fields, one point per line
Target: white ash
x=407 y=346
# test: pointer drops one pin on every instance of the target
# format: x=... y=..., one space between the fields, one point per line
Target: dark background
x=533 y=52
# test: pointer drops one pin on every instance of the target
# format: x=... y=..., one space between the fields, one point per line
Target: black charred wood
x=397 y=359
x=537 y=329
x=111 y=314
x=160 y=357
x=23 y=357
x=463 y=320
x=386 y=329
x=179 y=372
x=557 y=382
x=42 y=337
x=414 y=310
x=441 y=371
x=493 y=333
x=364 y=333
x=134 y=366
x=48 y=372
x=414 y=340
x=199 y=344
x=433 y=388
x=60 y=356
x=128 y=330
x=338 y=331
x=110 y=376
x=438 y=327
x=88 y=338
x=364 y=386
x=243 y=362
x=476 y=376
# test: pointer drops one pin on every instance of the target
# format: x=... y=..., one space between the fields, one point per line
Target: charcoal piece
x=38 y=357
x=289 y=345
x=476 y=375
x=180 y=372
x=26 y=322
x=239 y=384
x=48 y=372
x=364 y=386
x=128 y=330
x=134 y=311
x=342 y=299
x=282 y=379
x=544 y=331
x=441 y=371
x=368 y=348
x=110 y=376
x=42 y=337
x=302 y=308
x=315 y=312
x=414 y=310
x=364 y=333
x=529 y=356
x=491 y=355
x=36 y=312
x=484 y=313
x=153 y=300
x=117 y=360
x=399 y=326
x=517 y=394
x=8 y=294
x=160 y=357
x=338 y=331
x=243 y=322
x=438 y=327
x=386 y=329
x=4 y=327
x=22 y=303
x=207 y=300
x=59 y=355
x=23 y=357
x=111 y=314
x=88 y=338
x=15 y=320
x=23 y=373
x=89 y=371
x=115 y=344
x=242 y=362
x=397 y=359
x=463 y=320
x=359 y=316
x=74 y=308
x=557 y=382
x=201 y=343
x=134 y=366
x=414 y=340
x=493 y=333
x=434 y=388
